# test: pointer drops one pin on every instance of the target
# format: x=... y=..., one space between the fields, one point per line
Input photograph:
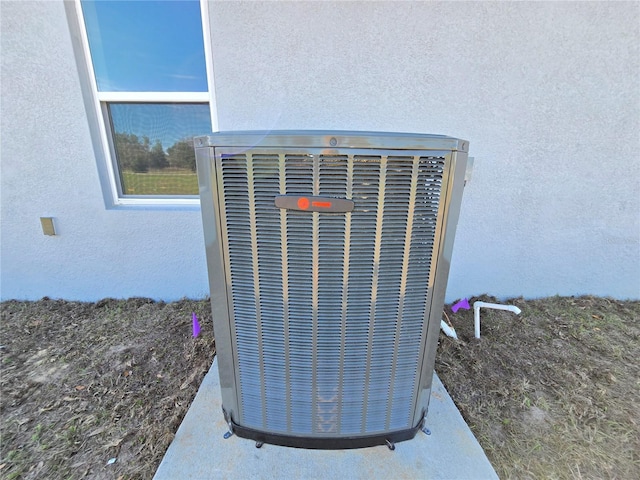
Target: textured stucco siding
x=546 y=93
x=49 y=169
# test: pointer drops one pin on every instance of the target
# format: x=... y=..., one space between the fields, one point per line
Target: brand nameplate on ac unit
x=305 y=203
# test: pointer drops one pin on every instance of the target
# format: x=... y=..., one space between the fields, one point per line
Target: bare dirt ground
x=552 y=393
x=83 y=383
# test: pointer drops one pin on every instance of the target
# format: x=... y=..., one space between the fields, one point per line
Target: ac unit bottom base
x=324 y=443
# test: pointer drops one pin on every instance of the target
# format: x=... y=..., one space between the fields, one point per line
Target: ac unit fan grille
x=328 y=310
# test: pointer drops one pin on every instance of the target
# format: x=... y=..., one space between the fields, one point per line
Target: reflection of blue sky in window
x=161 y=121
x=153 y=46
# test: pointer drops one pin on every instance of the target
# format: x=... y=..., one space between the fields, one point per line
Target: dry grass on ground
x=83 y=383
x=552 y=393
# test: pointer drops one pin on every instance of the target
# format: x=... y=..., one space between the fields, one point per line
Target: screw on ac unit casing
x=333 y=142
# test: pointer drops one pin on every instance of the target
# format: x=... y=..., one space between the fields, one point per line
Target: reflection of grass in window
x=161 y=182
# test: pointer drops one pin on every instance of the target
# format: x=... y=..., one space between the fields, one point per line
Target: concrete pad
x=199 y=450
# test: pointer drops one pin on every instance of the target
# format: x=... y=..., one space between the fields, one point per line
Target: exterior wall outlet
x=47 y=225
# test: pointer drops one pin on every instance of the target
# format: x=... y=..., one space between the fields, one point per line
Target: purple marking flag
x=196 y=325
x=464 y=303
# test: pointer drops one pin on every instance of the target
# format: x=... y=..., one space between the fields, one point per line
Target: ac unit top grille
x=240 y=140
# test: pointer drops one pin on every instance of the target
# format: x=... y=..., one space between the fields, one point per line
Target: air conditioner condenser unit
x=328 y=254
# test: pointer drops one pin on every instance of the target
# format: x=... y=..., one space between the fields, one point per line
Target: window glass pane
x=153 y=46
x=154 y=146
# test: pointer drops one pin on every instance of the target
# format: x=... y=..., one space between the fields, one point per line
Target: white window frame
x=100 y=102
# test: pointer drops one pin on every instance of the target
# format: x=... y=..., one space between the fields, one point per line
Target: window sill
x=158 y=204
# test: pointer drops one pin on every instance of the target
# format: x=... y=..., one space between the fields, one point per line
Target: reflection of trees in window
x=182 y=155
x=133 y=152
x=136 y=154
x=158 y=159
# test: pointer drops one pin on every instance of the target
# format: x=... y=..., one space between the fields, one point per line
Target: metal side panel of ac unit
x=325 y=319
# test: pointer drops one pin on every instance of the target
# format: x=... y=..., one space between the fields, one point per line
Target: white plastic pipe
x=496 y=306
x=450 y=331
